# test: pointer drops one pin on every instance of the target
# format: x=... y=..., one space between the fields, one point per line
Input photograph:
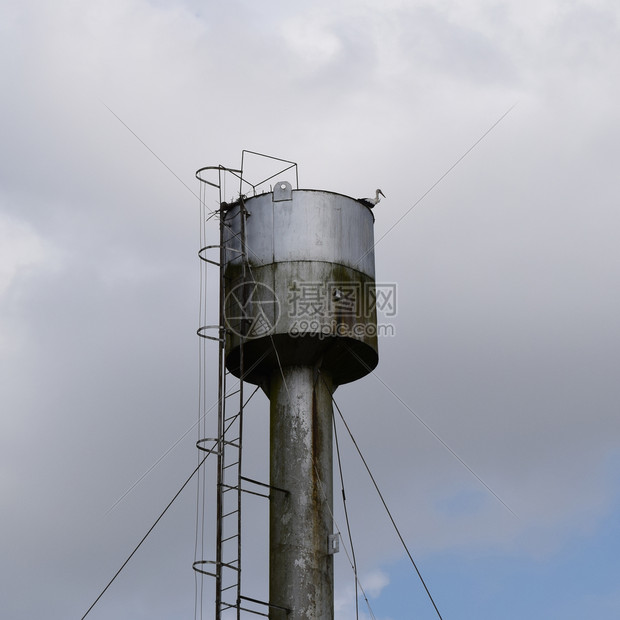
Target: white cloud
x=19 y=247
x=22 y=251
x=311 y=39
x=372 y=584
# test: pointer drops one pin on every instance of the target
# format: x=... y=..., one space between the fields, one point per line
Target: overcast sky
x=508 y=272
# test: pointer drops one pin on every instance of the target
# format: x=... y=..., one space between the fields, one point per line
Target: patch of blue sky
x=581 y=580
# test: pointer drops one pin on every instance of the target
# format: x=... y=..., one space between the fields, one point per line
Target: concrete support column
x=301 y=575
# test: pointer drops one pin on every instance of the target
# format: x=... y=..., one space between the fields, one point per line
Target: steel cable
x=402 y=540
x=118 y=572
x=346 y=513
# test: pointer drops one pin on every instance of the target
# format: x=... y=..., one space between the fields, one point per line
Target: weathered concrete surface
x=300 y=566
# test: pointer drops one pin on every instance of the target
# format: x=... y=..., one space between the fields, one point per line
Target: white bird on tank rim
x=371 y=202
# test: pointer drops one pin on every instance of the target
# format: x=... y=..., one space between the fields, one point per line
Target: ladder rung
x=230 y=538
x=232 y=512
x=264 y=484
x=230 y=565
x=270 y=605
x=256 y=613
x=231 y=439
x=227 y=605
x=265 y=495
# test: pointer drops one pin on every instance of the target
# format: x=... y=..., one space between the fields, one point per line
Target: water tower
x=297 y=318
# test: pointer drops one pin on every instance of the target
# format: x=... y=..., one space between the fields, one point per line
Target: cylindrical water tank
x=299 y=283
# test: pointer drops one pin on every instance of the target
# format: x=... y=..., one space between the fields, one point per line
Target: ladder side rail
x=221 y=397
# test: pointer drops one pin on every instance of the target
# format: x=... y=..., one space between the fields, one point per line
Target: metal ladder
x=227 y=446
x=227 y=567
x=229 y=478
